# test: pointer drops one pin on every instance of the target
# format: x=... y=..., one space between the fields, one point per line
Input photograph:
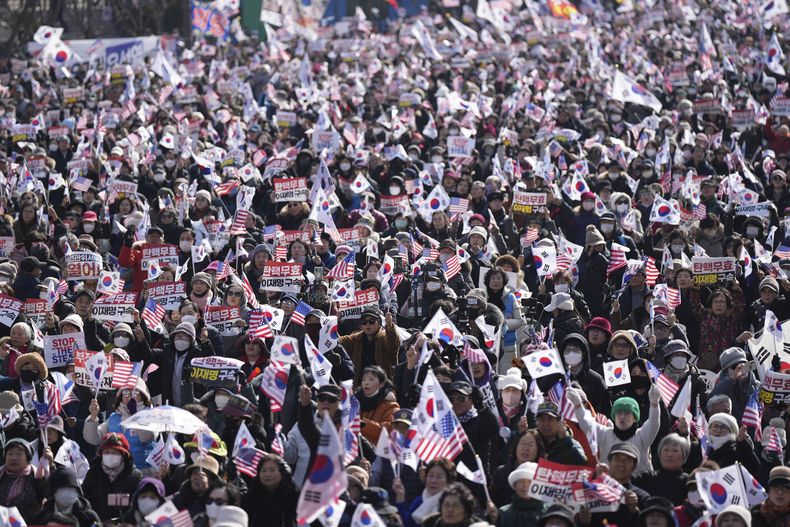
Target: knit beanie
x=726 y=420
x=593 y=236
x=626 y=404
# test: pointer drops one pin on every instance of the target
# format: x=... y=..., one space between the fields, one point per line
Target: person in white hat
x=523 y=510
x=231 y=516
x=566 y=321
x=512 y=388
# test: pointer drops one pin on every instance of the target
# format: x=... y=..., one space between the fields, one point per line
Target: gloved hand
x=654 y=394
x=505 y=433
x=574 y=397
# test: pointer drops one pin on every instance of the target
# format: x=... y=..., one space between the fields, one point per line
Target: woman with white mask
x=575 y=355
x=149 y=496
x=112 y=472
x=66 y=498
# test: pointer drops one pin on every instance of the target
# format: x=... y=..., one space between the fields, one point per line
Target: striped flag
x=239 y=225
x=666 y=386
x=458 y=205
x=344 y=269
x=125 y=374
x=752 y=416
x=153 y=312
x=775 y=443
x=81 y=184
x=783 y=251
x=440 y=432
x=249 y=292
x=247 y=459
x=530 y=236
x=281 y=253
x=651 y=273
x=558 y=396
x=605 y=488
x=63 y=287
x=452 y=267
x=474 y=356
x=223 y=189
x=277 y=444
x=603 y=420
x=351 y=421
x=416 y=249
x=669 y=296
x=700 y=211
x=617 y=258
x=300 y=311
x=52 y=394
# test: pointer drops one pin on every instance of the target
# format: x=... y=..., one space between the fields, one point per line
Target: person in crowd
x=272 y=496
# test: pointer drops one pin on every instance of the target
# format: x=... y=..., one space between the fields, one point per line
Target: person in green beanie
x=625 y=415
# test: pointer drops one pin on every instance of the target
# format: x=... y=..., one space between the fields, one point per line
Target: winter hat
x=593 y=237
x=779 y=424
x=185 y=327
x=73 y=320
x=231 y=516
x=726 y=420
x=64 y=477
x=626 y=405
x=9 y=399
x=21 y=443
x=622 y=334
x=676 y=346
x=512 y=379
x=524 y=471
x=34 y=359
x=561 y=301
x=122 y=327
x=203 y=194
x=206 y=463
x=736 y=510
x=201 y=277
x=557 y=511
x=600 y=323
x=481 y=295
x=358 y=475
x=771 y=283
x=480 y=231
x=115 y=442
x=731 y=357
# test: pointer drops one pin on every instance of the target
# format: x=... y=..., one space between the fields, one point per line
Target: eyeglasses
x=129 y=393
x=326 y=399
x=458 y=398
x=287 y=303
x=369 y=322
x=234 y=293
x=217 y=501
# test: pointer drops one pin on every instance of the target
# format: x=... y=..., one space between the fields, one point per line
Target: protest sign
x=223 y=318
x=352 y=309
x=391 y=205
x=215 y=371
x=167 y=294
x=281 y=276
x=72 y=95
x=553 y=482
x=274 y=166
x=122 y=189
x=10 y=308
x=757 y=209
x=775 y=389
x=285 y=119
x=710 y=271
x=325 y=139
x=59 y=349
x=165 y=253
x=529 y=202
x=290 y=189
x=350 y=237
x=83 y=265
x=6 y=245
x=289 y=236
x=23 y=132
x=81 y=374
x=743 y=119
x=36 y=311
x=709 y=105
x=780 y=106
x=117 y=308
x=460 y=146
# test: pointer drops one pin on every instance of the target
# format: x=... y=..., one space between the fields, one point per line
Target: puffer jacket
x=98 y=486
x=380 y=416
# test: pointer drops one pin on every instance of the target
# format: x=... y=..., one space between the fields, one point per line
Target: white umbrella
x=164 y=419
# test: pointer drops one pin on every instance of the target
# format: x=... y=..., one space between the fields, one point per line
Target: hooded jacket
x=98 y=486
x=81 y=510
x=590 y=381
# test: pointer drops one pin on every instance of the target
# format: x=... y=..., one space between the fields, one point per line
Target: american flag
x=352 y=424
x=651 y=273
x=752 y=416
x=530 y=236
x=270 y=232
x=249 y=292
x=604 y=488
x=404 y=255
x=300 y=311
x=281 y=253
x=557 y=396
x=81 y=184
x=239 y=225
x=223 y=189
x=277 y=444
x=446 y=439
x=128 y=109
x=774 y=443
x=452 y=267
x=603 y=420
x=430 y=253
x=474 y=356
x=416 y=249
x=53 y=400
x=700 y=211
x=125 y=374
x=344 y=269
x=259 y=328
x=458 y=205
x=153 y=312
x=666 y=386
x=616 y=259
x=670 y=296
x=783 y=251
x=182 y=519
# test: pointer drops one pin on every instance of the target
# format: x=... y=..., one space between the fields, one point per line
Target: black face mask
x=28 y=376
x=638 y=382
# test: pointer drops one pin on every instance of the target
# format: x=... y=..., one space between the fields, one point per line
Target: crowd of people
x=519 y=265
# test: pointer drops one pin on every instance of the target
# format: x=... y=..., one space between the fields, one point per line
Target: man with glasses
x=737 y=380
x=372 y=344
x=730 y=443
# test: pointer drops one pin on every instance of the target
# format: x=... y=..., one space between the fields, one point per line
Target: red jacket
x=780 y=145
x=132 y=257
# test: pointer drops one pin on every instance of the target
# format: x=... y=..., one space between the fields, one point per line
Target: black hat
x=85 y=292
x=21 y=443
x=462 y=387
x=555 y=511
x=30 y=263
x=64 y=477
x=624 y=448
x=448 y=244
x=370 y=282
x=371 y=311
x=403 y=415
x=155 y=229
x=379 y=499
x=495 y=195
x=548 y=408
x=330 y=389
x=657 y=504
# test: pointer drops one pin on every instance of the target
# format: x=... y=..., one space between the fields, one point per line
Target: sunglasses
x=458 y=398
x=217 y=501
x=326 y=399
x=369 y=321
x=234 y=293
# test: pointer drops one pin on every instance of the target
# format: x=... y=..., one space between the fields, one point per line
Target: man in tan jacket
x=373 y=344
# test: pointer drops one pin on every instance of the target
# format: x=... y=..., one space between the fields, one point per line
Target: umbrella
x=164 y=419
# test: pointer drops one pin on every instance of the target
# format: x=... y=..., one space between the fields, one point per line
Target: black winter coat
x=80 y=511
x=97 y=486
x=270 y=509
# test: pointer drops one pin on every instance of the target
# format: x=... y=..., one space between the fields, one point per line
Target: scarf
x=18 y=481
x=675 y=375
x=511 y=411
x=468 y=416
x=113 y=473
x=429 y=505
x=628 y=433
x=370 y=403
x=776 y=516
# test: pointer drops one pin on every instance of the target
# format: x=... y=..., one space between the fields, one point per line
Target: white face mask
x=185 y=246
x=181 y=345
x=606 y=228
x=436 y=159
x=650 y=152
x=121 y=342
x=212 y=510
x=88 y=227
x=414 y=157
x=433 y=286
x=718 y=442
x=189 y=319
x=677 y=248
x=345 y=167
x=221 y=399
x=394 y=190
x=170 y=163
x=66 y=497
x=615 y=117
x=111 y=460
x=695 y=498
x=159 y=177
x=510 y=399
x=561 y=288
x=588 y=205
x=147 y=505
x=614 y=175
x=574 y=358
x=752 y=231
x=678 y=362
x=622 y=208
